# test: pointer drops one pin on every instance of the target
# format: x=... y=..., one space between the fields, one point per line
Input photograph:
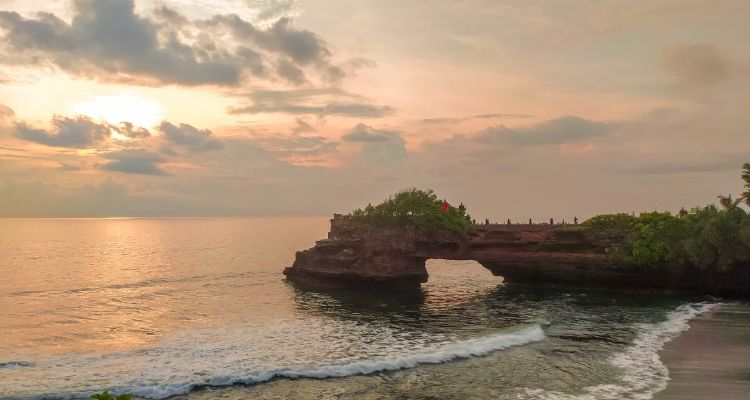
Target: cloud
x=69 y=167
x=108 y=37
x=365 y=134
x=107 y=40
x=380 y=147
x=302 y=126
x=697 y=64
x=321 y=101
x=498 y=115
x=302 y=46
x=456 y=120
x=6 y=113
x=551 y=132
x=297 y=145
x=133 y=132
x=291 y=72
x=190 y=137
x=273 y=10
x=138 y=161
x=79 y=132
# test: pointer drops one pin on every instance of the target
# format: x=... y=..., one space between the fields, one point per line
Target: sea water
x=190 y=307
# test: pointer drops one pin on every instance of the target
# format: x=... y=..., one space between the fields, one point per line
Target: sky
x=262 y=108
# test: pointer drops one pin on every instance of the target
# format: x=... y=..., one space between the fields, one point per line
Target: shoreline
x=710 y=360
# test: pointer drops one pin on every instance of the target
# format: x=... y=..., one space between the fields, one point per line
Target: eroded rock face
x=360 y=255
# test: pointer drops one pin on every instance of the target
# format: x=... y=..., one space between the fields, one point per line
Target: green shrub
x=708 y=238
x=106 y=396
x=420 y=208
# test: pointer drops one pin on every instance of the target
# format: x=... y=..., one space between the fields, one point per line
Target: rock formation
x=362 y=255
x=356 y=254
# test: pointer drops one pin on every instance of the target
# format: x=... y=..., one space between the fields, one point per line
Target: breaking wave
x=447 y=352
x=643 y=373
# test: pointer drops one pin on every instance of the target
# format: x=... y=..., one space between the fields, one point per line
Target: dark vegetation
x=708 y=238
x=713 y=238
x=420 y=208
x=106 y=396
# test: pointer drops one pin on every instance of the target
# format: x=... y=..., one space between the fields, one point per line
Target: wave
x=458 y=350
x=643 y=372
x=15 y=364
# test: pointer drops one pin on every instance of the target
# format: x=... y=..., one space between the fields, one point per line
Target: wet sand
x=712 y=359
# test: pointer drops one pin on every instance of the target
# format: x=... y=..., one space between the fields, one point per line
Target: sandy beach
x=712 y=359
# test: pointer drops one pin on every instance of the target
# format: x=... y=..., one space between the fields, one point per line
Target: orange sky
x=266 y=108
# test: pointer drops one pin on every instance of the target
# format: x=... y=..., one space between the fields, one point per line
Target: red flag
x=445 y=206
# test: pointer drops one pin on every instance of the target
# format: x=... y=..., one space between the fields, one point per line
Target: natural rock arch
x=356 y=254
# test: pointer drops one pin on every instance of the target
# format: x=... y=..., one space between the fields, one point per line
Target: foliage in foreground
x=708 y=238
x=106 y=396
x=421 y=208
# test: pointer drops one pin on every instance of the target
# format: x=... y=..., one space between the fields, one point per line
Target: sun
x=124 y=107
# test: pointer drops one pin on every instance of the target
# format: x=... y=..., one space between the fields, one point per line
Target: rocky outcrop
x=361 y=255
x=356 y=254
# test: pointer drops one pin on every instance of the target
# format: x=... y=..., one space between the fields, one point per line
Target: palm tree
x=728 y=203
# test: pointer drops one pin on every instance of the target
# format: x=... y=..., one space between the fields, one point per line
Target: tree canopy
x=421 y=208
x=705 y=237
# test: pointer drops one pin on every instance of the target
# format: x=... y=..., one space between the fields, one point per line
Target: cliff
x=361 y=255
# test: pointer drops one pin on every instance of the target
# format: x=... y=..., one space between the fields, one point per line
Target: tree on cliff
x=706 y=238
x=746 y=178
x=420 y=208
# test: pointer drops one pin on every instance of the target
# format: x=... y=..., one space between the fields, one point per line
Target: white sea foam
x=440 y=354
x=643 y=373
x=463 y=349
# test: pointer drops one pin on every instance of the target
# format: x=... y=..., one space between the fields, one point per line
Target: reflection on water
x=162 y=307
x=92 y=284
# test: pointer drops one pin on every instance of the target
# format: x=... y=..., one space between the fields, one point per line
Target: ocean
x=198 y=308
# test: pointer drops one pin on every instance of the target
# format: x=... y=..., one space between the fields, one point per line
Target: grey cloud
x=365 y=134
x=297 y=145
x=291 y=72
x=441 y=120
x=698 y=64
x=136 y=161
x=80 y=132
x=170 y=16
x=357 y=110
x=378 y=146
x=551 y=132
x=301 y=95
x=252 y=60
x=322 y=101
x=302 y=46
x=359 y=63
x=6 y=112
x=107 y=40
x=108 y=36
x=133 y=132
x=190 y=137
x=294 y=48
x=498 y=115
x=168 y=150
x=302 y=126
x=69 y=167
x=273 y=9
x=456 y=120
